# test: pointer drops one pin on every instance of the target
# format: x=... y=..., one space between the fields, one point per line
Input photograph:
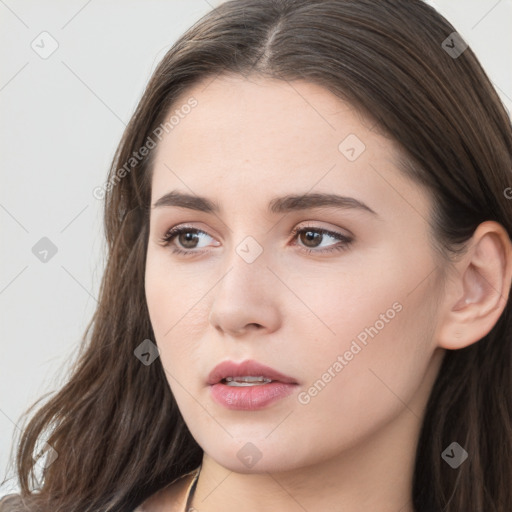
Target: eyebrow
x=283 y=204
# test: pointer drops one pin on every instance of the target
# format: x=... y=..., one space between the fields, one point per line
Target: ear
x=478 y=290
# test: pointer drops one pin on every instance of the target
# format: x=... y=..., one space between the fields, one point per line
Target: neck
x=374 y=475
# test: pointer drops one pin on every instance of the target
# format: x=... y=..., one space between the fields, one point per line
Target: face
x=340 y=297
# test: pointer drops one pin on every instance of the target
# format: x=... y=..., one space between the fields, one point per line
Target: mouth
x=245 y=374
x=248 y=386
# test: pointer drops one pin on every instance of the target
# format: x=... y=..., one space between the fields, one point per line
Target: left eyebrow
x=283 y=204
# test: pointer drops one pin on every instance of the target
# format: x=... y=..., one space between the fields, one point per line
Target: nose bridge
x=247 y=265
x=245 y=295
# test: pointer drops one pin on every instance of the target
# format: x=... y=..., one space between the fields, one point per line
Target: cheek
x=172 y=294
x=380 y=321
x=158 y=294
x=178 y=311
x=378 y=359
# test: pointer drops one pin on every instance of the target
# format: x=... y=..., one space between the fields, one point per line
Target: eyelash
x=174 y=232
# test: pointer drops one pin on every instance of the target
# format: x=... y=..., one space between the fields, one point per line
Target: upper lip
x=246 y=368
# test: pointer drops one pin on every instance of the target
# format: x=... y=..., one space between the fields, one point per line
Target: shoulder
x=12 y=503
x=170 y=498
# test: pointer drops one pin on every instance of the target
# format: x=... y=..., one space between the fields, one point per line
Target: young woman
x=306 y=304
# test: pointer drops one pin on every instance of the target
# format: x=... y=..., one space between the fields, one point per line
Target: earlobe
x=476 y=297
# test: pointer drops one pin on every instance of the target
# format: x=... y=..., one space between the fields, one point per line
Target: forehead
x=261 y=119
x=261 y=136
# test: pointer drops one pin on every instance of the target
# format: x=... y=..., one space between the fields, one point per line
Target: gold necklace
x=190 y=492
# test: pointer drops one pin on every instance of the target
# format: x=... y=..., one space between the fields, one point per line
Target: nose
x=245 y=298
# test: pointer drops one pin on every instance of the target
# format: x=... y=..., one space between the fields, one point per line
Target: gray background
x=61 y=119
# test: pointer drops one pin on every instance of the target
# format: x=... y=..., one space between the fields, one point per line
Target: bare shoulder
x=170 y=498
x=12 y=503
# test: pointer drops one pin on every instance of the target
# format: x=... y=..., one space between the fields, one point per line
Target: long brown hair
x=115 y=425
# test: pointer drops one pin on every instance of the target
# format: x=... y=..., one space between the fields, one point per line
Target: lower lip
x=250 y=398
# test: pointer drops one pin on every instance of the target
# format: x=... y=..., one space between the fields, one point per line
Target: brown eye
x=312 y=237
x=187 y=238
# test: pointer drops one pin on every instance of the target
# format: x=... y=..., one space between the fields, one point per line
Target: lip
x=250 y=398
x=248 y=367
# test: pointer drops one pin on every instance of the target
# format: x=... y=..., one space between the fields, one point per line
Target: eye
x=309 y=235
x=313 y=235
x=188 y=241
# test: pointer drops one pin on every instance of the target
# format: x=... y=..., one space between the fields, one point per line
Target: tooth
x=248 y=378
x=240 y=384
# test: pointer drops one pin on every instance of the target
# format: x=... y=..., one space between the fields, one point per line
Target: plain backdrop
x=62 y=115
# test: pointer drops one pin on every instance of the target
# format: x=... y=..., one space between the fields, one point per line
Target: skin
x=352 y=446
